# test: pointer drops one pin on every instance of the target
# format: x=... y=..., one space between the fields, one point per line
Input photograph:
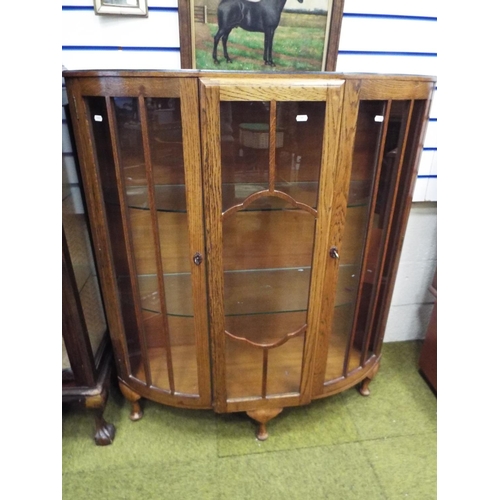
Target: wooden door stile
x=212 y=181
x=191 y=141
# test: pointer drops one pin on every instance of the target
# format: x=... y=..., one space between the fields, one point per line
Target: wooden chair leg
x=136 y=412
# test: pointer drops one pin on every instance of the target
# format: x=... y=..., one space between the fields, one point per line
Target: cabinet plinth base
x=263 y=416
x=136 y=412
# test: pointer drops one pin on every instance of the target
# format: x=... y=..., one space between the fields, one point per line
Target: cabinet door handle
x=334 y=253
x=197 y=258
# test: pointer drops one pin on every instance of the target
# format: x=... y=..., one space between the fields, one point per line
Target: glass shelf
x=248 y=293
x=177 y=293
x=168 y=198
x=266 y=291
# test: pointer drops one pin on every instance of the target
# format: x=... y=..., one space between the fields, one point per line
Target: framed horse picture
x=255 y=35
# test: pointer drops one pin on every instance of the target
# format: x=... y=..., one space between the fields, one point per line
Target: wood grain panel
x=390 y=89
x=212 y=184
x=234 y=89
x=194 y=203
x=130 y=87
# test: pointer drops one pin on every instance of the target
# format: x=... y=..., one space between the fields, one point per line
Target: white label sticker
x=301 y=118
x=98 y=118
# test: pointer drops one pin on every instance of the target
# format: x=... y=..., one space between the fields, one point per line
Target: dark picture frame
x=197 y=26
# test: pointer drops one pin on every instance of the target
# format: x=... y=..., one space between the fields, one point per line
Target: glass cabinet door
x=269 y=156
x=385 y=143
x=145 y=144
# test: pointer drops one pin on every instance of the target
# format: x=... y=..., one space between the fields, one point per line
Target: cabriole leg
x=136 y=412
x=105 y=432
x=363 y=387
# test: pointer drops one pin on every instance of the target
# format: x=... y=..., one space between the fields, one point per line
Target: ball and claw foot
x=105 y=432
x=105 y=435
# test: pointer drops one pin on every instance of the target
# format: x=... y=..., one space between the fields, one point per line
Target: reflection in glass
x=299 y=160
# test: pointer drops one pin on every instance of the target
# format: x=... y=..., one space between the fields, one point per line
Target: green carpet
x=343 y=447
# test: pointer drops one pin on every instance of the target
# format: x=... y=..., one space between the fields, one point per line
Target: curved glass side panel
x=363 y=177
x=142 y=173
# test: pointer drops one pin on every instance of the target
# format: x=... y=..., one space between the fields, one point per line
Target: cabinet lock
x=334 y=253
x=197 y=258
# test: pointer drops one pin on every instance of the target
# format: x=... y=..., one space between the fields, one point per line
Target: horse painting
x=261 y=16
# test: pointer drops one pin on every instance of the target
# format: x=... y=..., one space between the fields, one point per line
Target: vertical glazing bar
x=265 y=361
x=380 y=159
x=394 y=183
x=156 y=237
x=120 y=183
x=272 y=146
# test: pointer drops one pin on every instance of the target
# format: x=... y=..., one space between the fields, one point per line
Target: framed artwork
x=121 y=7
x=255 y=35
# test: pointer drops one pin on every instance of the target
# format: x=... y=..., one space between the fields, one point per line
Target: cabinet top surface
x=239 y=74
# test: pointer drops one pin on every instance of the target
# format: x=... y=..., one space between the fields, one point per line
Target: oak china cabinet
x=248 y=228
x=86 y=350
